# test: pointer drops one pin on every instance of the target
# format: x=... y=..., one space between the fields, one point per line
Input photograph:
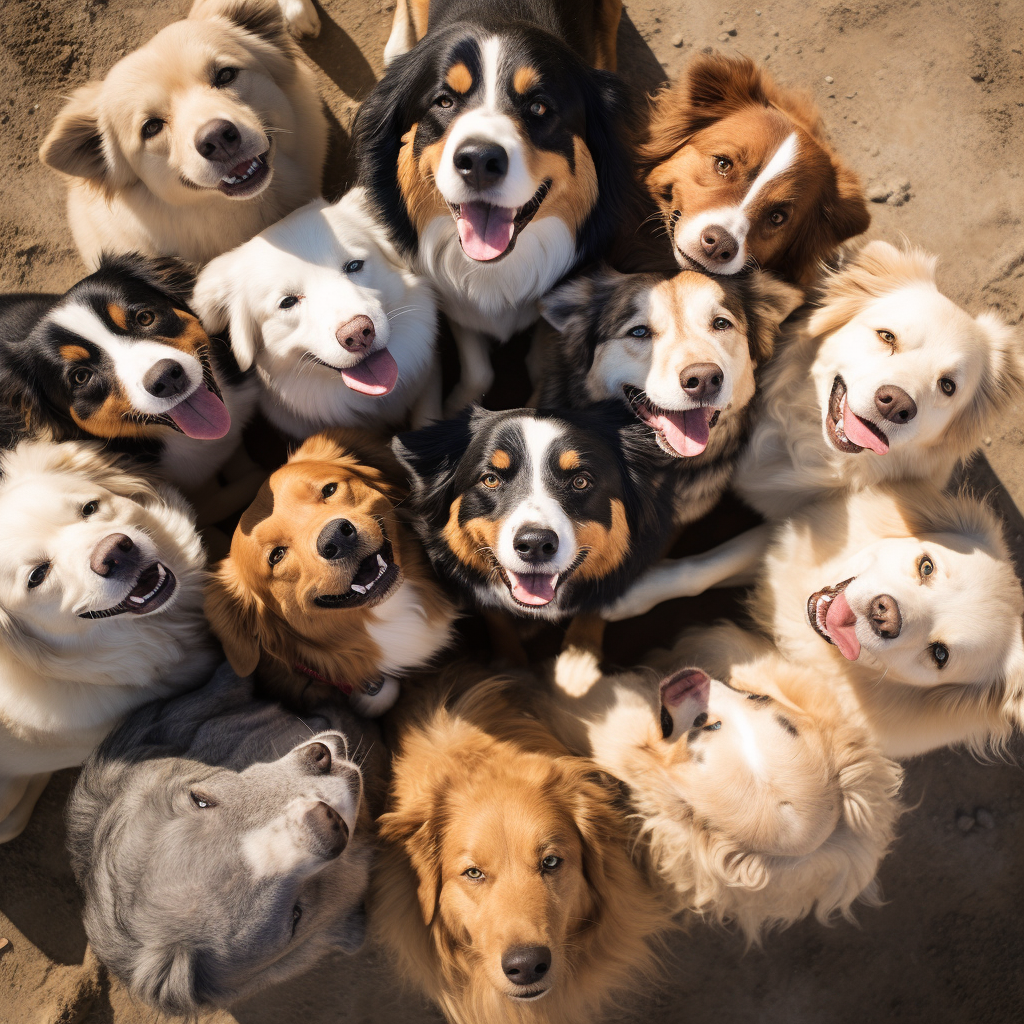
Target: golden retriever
x=323 y=586
x=197 y=141
x=505 y=887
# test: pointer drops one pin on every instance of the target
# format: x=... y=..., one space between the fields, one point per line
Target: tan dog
x=197 y=141
x=507 y=890
x=323 y=586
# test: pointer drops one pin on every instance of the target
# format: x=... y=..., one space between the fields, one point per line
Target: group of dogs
x=521 y=841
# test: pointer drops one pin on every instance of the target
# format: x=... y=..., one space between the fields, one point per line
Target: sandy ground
x=926 y=99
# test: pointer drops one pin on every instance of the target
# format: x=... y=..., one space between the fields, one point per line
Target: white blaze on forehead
x=748 y=742
x=490 y=53
x=782 y=159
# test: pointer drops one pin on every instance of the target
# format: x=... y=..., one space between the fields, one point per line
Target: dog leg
x=17 y=801
x=609 y=13
x=301 y=18
x=427 y=407
x=475 y=363
x=403 y=32
x=576 y=671
x=733 y=563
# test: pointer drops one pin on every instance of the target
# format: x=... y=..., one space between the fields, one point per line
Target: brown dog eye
x=276 y=555
x=37 y=575
x=444 y=101
x=81 y=376
x=90 y=507
x=154 y=126
x=145 y=317
x=778 y=217
x=473 y=873
x=887 y=336
x=723 y=164
x=329 y=489
x=721 y=324
x=538 y=109
x=491 y=480
x=225 y=76
x=948 y=386
x=580 y=483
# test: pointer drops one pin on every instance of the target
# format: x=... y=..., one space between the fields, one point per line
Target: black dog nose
x=165 y=379
x=481 y=164
x=328 y=833
x=218 y=140
x=702 y=381
x=526 y=965
x=534 y=544
x=337 y=539
x=895 y=404
x=317 y=758
x=718 y=243
x=885 y=617
x=115 y=556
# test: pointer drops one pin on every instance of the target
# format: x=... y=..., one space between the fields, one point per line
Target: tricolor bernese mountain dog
x=537 y=513
x=498 y=154
x=121 y=358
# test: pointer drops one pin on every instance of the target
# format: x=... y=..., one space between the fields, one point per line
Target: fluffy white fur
x=65 y=681
x=296 y=352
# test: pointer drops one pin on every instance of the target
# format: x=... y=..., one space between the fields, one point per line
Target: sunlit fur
x=481 y=782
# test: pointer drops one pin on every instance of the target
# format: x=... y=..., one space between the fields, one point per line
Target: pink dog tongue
x=202 y=415
x=376 y=375
x=860 y=433
x=484 y=230
x=840 y=622
x=686 y=432
x=536 y=590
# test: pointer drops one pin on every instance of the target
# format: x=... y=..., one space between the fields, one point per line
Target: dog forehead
x=749 y=136
x=690 y=298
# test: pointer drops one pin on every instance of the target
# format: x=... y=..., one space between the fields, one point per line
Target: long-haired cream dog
x=100 y=608
x=760 y=803
x=904 y=600
x=506 y=887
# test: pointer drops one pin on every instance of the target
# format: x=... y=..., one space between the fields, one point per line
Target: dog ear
x=233 y=614
x=167 y=274
x=431 y=455
x=413 y=828
x=220 y=302
x=262 y=18
x=575 y=304
x=355 y=206
x=366 y=454
x=769 y=302
x=847 y=215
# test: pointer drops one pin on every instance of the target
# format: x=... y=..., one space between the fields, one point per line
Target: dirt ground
x=926 y=99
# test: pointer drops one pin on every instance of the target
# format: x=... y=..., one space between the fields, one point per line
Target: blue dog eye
x=354 y=266
x=640 y=332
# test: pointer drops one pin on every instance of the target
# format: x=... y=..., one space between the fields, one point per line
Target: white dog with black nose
x=341 y=332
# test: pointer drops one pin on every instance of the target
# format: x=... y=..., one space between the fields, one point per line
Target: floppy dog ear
x=167 y=274
x=220 y=302
x=574 y=305
x=234 y=618
x=413 y=829
x=770 y=301
x=262 y=18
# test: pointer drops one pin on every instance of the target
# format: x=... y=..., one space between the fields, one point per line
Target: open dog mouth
x=832 y=618
x=372 y=583
x=680 y=433
x=153 y=589
x=525 y=997
x=202 y=414
x=247 y=178
x=846 y=431
x=678 y=687
x=535 y=590
x=489 y=232
x=376 y=375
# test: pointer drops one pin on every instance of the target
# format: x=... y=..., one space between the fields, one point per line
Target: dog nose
x=337 y=539
x=718 y=243
x=481 y=164
x=885 y=617
x=895 y=404
x=534 y=544
x=114 y=556
x=327 y=831
x=526 y=965
x=357 y=335
x=702 y=381
x=165 y=379
x=218 y=140
x=317 y=758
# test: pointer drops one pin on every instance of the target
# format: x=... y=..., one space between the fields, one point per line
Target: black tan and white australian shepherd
x=495 y=152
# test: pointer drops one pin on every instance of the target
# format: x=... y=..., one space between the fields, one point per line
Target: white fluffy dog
x=341 y=332
x=100 y=609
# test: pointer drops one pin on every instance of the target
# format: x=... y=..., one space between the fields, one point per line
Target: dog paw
x=301 y=18
x=377 y=699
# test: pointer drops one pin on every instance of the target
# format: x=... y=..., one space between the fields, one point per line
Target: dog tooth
x=382 y=563
x=358 y=589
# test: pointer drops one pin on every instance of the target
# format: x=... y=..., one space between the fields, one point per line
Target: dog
x=742 y=175
x=223 y=843
x=100 y=608
x=498 y=159
x=683 y=352
x=759 y=802
x=505 y=885
x=324 y=589
x=121 y=357
x=340 y=332
x=905 y=599
x=536 y=513
x=197 y=141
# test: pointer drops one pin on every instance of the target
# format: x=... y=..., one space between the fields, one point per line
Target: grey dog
x=224 y=843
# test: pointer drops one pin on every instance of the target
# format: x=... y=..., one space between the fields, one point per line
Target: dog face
x=899 y=366
x=678 y=351
x=533 y=513
x=121 y=355
x=193 y=112
x=742 y=174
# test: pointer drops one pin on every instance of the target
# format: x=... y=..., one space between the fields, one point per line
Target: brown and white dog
x=743 y=176
x=323 y=586
x=197 y=141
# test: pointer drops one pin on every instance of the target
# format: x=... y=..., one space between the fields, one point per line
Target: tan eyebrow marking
x=525 y=79
x=501 y=459
x=460 y=78
x=73 y=353
x=569 y=460
x=118 y=315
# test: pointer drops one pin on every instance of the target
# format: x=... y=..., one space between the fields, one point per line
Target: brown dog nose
x=895 y=404
x=718 y=243
x=702 y=381
x=357 y=335
x=165 y=379
x=115 y=556
x=218 y=140
x=317 y=758
x=885 y=617
x=326 y=830
x=526 y=965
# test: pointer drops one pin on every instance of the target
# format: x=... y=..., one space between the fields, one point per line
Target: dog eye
x=202 y=802
x=145 y=317
x=580 y=483
x=888 y=337
x=225 y=76
x=81 y=376
x=640 y=331
x=491 y=480
x=37 y=575
x=296 y=917
x=538 y=109
x=474 y=873
x=550 y=862
x=723 y=165
x=329 y=489
x=759 y=698
x=276 y=555
x=154 y=126
x=948 y=386
x=778 y=217
x=926 y=566
x=288 y=301
x=721 y=324
x=444 y=101
x=90 y=507
x=940 y=655
x=354 y=266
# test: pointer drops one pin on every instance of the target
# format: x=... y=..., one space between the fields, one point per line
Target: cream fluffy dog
x=100 y=609
x=759 y=802
x=341 y=332
x=198 y=140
